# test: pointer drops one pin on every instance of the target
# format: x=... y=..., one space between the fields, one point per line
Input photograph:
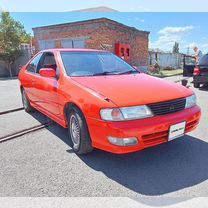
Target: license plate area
x=176 y=130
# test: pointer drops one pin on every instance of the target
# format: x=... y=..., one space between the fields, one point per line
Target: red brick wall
x=100 y=34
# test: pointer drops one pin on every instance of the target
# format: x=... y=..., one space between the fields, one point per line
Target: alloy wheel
x=75 y=131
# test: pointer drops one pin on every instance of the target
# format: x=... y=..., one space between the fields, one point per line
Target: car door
x=46 y=89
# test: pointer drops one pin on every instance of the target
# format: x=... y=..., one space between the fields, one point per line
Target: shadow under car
x=162 y=169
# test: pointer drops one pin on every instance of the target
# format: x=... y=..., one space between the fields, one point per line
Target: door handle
x=33 y=82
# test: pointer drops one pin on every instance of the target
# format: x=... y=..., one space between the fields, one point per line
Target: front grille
x=167 y=107
x=162 y=136
x=191 y=125
x=155 y=138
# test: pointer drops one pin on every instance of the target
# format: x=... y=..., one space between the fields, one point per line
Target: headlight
x=128 y=113
x=190 y=101
x=111 y=114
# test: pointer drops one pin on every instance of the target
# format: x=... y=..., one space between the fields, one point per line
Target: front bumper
x=149 y=132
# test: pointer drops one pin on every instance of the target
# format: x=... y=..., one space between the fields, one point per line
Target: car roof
x=72 y=50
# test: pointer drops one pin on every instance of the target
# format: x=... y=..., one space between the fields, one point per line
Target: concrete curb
x=8 y=78
x=167 y=76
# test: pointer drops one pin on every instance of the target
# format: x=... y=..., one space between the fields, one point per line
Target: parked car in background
x=189 y=64
x=201 y=72
x=104 y=102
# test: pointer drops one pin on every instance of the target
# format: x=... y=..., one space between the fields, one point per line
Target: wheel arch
x=68 y=107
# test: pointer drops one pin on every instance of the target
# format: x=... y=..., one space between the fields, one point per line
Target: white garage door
x=73 y=43
x=46 y=44
x=65 y=43
x=79 y=43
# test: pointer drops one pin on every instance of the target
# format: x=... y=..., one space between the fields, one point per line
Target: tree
x=176 y=48
x=12 y=34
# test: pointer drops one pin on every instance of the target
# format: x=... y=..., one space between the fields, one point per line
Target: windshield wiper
x=106 y=73
x=129 y=72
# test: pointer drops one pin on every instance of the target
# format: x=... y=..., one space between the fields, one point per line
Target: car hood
x=131 y=90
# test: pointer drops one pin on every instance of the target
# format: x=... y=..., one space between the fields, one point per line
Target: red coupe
x=104 y=102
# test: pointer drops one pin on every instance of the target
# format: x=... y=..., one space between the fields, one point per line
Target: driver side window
x=48 y=61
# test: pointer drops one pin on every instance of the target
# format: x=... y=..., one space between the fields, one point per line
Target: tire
x=26 y=103
x=78 y=132
x=196 y=85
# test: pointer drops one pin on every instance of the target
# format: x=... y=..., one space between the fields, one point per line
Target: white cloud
x=175 y=30
x=205 y=45
x=202 y=47
x=192 y=45
x=169 y=35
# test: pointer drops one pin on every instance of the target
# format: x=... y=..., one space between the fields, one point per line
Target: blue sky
x=188 y=29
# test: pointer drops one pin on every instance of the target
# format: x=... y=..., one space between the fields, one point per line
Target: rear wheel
x=196 y=85
x=78 y=132
x=26 y=103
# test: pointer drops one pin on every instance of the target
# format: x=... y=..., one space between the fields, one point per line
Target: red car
x=104 y=102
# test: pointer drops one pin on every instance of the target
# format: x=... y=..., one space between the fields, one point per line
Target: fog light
x=123 y=141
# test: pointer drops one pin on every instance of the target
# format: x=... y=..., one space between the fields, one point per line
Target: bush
x=153 y=69
x=168 y=68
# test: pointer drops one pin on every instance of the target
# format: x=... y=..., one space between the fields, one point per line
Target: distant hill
x=96 y=9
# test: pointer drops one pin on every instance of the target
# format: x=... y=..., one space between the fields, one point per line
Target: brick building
x=102 y=33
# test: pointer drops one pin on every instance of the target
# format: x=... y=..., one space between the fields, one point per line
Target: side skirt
x=50 y=115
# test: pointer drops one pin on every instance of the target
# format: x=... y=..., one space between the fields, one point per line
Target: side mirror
x=48 y=72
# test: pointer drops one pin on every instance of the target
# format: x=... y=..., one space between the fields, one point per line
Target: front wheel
x=196 y=85
x=26 y=103
x=78 y=132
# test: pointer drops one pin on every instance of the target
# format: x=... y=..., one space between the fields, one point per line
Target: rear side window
x=204 y=60
x=33 y=65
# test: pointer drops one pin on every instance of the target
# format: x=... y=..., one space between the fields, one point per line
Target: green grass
x=166 y=73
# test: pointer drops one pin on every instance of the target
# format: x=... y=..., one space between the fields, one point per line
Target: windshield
x=204 y=60
x=94 y=64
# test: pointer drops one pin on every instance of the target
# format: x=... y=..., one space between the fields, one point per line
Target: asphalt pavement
x=43 y=164
x=10 y=96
